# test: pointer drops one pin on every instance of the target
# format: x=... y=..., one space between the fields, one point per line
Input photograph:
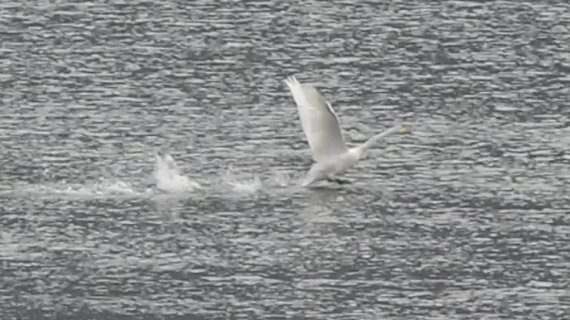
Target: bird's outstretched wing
x=319 y=121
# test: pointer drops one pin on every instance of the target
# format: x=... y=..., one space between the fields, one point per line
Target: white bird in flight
x=322 y=129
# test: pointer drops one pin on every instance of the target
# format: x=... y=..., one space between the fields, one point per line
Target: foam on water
x=241 y=183
x=167 y=180
x=106 y=188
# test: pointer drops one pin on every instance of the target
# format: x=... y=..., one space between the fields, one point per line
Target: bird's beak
x=404 y=130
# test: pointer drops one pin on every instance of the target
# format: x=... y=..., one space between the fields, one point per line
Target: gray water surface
x=467 y=218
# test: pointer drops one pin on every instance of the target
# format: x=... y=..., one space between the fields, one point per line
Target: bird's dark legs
x=339 y=181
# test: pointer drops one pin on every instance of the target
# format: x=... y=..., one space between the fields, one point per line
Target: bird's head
x=404 y=130
x=360 y=151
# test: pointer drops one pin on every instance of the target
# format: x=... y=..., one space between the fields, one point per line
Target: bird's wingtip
x=291 y=80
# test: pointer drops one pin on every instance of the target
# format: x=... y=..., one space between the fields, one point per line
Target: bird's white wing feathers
x=319 y=121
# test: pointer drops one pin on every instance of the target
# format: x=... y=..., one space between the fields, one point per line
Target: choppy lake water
x=467 y=218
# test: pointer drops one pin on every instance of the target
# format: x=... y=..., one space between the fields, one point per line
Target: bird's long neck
x=360 y=150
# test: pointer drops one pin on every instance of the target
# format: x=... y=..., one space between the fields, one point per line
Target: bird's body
x=322 y=130
x=331 y=168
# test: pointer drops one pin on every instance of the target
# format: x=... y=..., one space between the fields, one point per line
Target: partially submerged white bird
x=322 y=129
x=168 y=177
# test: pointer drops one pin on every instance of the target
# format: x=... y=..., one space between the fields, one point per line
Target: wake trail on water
x=102 y=188
x=166 y=179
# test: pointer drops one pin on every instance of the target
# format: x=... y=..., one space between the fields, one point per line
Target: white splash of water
x=241 y=184
x=168 y=177
x=281 y=179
